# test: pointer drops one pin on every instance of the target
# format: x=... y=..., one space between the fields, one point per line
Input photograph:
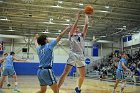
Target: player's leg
x=4 y=75
x=42 y=89
x=118 y=78
x=7 y=81
x=14 y=76
x=70 y=63
x=15 y=79
x=43 y=85
x=123 y=85
x=116 y=84
x=16 y=83
x=65 y=73
x=2 y=81
x=82 y=76
x=1 y=84
x=81 y=69
x=55 y=88
x=1 y=71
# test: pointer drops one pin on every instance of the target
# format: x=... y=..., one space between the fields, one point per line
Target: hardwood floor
x=29 y=84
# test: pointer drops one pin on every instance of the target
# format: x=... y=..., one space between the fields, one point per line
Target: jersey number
x=78 y=39
x=42 y=51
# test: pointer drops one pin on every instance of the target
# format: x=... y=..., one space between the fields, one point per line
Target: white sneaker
x=16 y=89
x=1 y=91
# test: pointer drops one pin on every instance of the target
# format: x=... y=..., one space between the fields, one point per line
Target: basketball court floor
x=29 y=84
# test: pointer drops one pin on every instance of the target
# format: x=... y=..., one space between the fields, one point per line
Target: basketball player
x=2 y=68
x=120 y=72
x=9 y=70
x=45 y=52
x=76 y=55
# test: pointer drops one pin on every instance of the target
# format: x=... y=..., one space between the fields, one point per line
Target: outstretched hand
x=36 y=36
x=27 y=60
x=68 y=27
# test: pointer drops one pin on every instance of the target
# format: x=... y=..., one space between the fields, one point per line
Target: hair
x=5 y=54
x=11 y=53
x=41 y=40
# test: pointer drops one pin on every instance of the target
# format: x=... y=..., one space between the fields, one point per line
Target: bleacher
x=105 y=68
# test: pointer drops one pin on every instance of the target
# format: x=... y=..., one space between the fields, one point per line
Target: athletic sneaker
x=8 y=85
x=77 y=90
x=1 y=91
x=16 y=89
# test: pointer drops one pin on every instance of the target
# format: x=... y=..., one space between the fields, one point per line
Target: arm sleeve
x=52 y=44
x=123 y=60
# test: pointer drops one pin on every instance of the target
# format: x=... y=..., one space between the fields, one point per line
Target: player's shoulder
x=123 y=59
x=9 y=56
x=37 y=48
x=52 y=41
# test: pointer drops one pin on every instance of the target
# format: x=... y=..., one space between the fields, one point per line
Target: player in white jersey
x=76 y=55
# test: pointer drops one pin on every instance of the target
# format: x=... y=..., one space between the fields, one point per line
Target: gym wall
x=60 y=56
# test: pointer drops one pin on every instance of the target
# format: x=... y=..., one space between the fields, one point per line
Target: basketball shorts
x=8 y=71
x=120 y=74
x=76 y=59
x=46 y=77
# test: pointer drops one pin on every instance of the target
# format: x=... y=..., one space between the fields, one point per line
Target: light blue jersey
x=9 y=61
x=9 y=67
x=123 y=60
x=45 y=54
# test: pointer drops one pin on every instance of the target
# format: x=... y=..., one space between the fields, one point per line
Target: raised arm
x=2 y=60
x=35 y=40
x=18 y=59
x=85 y=28
x=75 y=24
x=62 y=33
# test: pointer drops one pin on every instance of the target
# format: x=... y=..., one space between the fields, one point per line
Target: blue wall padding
x=95 y=50
x=129 y=38
x=24 y=68
x=124 y=39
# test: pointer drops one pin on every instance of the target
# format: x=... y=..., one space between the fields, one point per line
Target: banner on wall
x=1 y=48
x=129 y=38
x=124 y=39
x=95 y=50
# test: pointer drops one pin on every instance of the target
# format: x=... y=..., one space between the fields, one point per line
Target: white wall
x=60 y=51
x=135 y=40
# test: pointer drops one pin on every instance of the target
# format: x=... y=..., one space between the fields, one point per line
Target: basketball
x=88 y=9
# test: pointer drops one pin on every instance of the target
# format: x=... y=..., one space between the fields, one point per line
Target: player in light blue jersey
x=76 y=55
x=45 y=53
x=9 y=70
x=120 y=72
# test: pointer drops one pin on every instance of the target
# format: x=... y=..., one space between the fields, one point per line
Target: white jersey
x=77 y=43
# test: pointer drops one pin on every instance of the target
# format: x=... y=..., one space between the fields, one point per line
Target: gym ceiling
x=111 y=18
